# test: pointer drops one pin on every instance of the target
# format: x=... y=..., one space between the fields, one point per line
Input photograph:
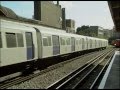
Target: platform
x=111 y=78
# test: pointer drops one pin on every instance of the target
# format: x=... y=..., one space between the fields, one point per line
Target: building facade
x=97 y=30
x=70 y=26
x=49 y=13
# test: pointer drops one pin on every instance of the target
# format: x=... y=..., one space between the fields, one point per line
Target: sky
x=83 y=12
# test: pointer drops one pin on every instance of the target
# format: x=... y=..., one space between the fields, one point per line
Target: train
x=116 y=43
x=27 y=44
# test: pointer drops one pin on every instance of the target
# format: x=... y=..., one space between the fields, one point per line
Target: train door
x=29 y=45
x=56 y=45
x=72 y=43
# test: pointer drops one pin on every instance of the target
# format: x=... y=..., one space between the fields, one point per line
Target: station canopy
x=115 y=13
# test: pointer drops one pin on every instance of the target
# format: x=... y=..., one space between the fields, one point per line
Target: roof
x=114 y=7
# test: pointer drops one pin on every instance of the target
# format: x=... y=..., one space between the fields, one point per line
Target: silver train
x=22 y=43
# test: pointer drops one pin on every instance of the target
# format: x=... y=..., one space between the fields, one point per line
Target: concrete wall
x=50 y=13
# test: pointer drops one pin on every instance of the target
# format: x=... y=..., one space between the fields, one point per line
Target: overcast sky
x=83 y=12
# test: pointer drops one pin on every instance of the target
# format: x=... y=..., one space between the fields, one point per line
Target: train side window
x=45 y=41
x=0 y=41
x=20 y=40
x=11 y=40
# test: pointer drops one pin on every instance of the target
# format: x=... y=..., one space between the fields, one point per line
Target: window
x=72 y=41
x=29 y=40
x=49 y=40
x=11 y=40
x=83 y=43
x=45 y=42
x=20 y=40
x=80 y=41
x=90 y=43
x=0 y=40
x=62 y=41
x=76 y=42
x=55 y=40
x=95 y=43
x=68 y=41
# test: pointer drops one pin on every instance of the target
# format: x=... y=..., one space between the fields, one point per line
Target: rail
x=69 y=80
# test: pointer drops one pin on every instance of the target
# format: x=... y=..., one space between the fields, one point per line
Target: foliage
x=86 y=31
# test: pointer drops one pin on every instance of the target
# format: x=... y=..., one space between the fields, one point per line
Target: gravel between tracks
x=44 y=80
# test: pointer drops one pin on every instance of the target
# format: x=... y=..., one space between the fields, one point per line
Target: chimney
x=63 y=19
x=37 y=10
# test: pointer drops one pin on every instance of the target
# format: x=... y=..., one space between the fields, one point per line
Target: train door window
x=90 y=43
x=30 y=45
x=29 y=40
x=68 y=41
x=86 y=43
x=73 y=43
x=80 y=41
x=56 y=45
x=45 y=41
x=55 y=40
x=0 y=40
x=49 y=40
x=99 y=44
x=11 y=40
x=20 y=39
x=62 y=41
x=76 y=42
x=83 y=43
x=95 y=43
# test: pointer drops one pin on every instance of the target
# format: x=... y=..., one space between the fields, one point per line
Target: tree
x=80 y=30
x=84 y=27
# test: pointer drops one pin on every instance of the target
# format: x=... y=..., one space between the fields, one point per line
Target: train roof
x=9 y=15
x=14 y=26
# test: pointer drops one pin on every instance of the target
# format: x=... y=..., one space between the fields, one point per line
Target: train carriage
x=23 y=44
x=117 y=43
x=18 y=43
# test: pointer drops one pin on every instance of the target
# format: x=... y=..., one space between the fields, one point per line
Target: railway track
x=87 y=76
x=20 y=79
